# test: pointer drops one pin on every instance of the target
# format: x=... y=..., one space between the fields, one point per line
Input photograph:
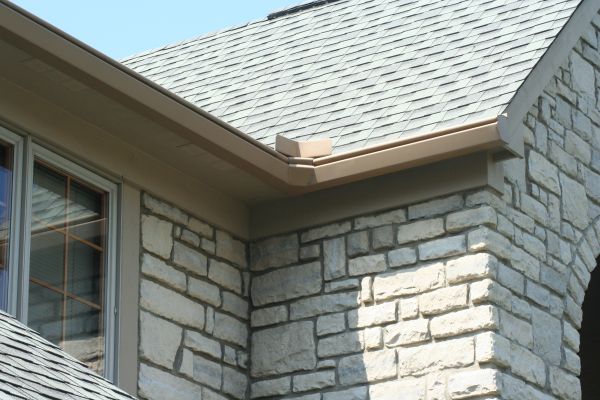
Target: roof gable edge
x=544 y=69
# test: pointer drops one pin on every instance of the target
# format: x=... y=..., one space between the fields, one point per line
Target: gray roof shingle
x=361 y=71
x=33 y=368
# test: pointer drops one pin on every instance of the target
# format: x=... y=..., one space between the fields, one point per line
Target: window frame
x=16 y=223
x=25 y=152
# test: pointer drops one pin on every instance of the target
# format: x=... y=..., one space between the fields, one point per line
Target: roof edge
x=544 y=69
x=287 y=174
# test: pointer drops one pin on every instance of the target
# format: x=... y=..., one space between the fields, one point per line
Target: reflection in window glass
x=5 y=197
x=67 y=264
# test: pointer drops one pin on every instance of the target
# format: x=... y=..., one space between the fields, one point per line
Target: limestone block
x=367 y=264
x=485 y=382
x=268 y=316
x=547 y=336
x=155 y=384
x=344 y=343
x=357 y=243
x=312 y=381
x=576 y=146
x=420 y=230
x=489 y=290
x=574 y=202
x=208 y=245
x=157 y=236
x=208 y=394
x=159 y=270
x=516 y=389
x=436 y=207
x=234 y=383
x=493 y=348
x=207 y=372
x=190 y=238
x=204 y=291
x=274 y=252
x=271 y=387
x=225 y=276
x=325 y=231
x=366 y=290
x=408 y=281
x=164 y=209
x=190 y=259
x=357 y=393
x=159 y=340
x=367 y=367
x=310 y=252
x=386 y=218
x=331 y=323
x=374 y=315
x=436 y=356
x=339 y=286
x=324 y=304
x=406 y=332
x=469 y=320
x=443 y=300
x=383 y=237
x=231 y=249
x=171 y=305
x=334 y=258
x=404 y=389
x=527 y=365
x=287 y=348
x=565 y=385
x=235 y=305
x=230 y=329
x=286 y=283
x=516 y=329
x=543 y=172
x=471 y=267
x=409 y=308
x=401 y=257
x=202 y=344
x=440 y=248
x=373 y=338
x=461 y=220
x=201 y=228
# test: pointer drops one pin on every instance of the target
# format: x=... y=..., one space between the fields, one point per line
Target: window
x=57 y=250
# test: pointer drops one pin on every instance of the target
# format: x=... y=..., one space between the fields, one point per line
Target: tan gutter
x=291 y=175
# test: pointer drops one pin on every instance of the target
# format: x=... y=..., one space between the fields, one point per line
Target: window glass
x=68 y=264
x=6 y=157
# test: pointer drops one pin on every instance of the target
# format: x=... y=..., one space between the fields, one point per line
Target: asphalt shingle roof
x=362 y=71
x=33 y=368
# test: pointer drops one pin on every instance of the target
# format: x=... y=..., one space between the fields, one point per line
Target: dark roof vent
x=299 y=7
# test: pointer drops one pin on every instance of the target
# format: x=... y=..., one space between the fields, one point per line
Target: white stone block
x=157 y=236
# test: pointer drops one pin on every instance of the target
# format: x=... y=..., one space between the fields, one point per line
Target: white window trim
x=14 y=241
x=25 y=153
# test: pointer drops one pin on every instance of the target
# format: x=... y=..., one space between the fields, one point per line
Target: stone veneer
x=476 y=295
x=193 y=308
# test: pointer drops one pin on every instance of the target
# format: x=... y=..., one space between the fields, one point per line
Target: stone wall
x=548 y=230
x=398 y=303
x=193 y=308
x=472 y=296
x=477 y=295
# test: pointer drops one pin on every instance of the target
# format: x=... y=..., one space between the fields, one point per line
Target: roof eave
x=489 y=135
x=207 y=131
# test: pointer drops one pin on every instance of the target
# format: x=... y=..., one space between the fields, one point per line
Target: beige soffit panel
x=292 y=175
x=555 y=55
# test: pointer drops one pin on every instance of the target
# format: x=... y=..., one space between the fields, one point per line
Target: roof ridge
x=298 y=7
